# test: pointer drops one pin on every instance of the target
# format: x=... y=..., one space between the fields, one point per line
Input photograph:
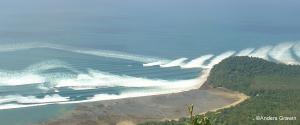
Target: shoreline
x=130 y=111
x=242 y=97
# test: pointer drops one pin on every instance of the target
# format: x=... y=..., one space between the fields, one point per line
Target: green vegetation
x=274 y=91
x=192 y=120
x=196 y=119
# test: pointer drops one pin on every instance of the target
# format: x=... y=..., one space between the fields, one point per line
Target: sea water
x=58 y=53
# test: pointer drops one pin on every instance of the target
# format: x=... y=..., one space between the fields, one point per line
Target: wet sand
x=150 y=108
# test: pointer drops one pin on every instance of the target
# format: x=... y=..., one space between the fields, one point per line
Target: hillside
x=274 y=91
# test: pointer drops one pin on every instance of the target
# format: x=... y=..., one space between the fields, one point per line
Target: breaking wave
x=296 y=49
x=96 y=79
x=28 y=101
x=32 y=74
x=219 y=58
x=100 y=53
x=198 y=62
x=49 y=87
x=245 y=52
x=55 y=84
x=177 y=62
x=280 y=53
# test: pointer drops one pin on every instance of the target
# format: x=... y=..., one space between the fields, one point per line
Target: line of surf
x=161 y=87
x=281 y=53
x=94 y=52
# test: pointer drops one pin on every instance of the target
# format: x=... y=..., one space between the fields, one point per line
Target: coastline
x=242 y=97
x=130 y=111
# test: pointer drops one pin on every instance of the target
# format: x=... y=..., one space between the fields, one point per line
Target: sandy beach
x=131 y=111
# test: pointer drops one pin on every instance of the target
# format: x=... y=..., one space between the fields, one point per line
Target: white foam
x=296 y=49
x=7 y=99
x=46 y=99
x=122 y=95
x=101 y=53
x=153 y=64
x=19 y=101
x=18 y=46
x=31 y=74
x=32 y=99
x=91 y=79
x=101 y=97
x=173 y=87
x=161 y=87
x=119 y=55
x=96 y=78
x=262 y=52
x=14 y=106
x=13 y=79
x=47 y=65
x=245 y=52
x=198 y=62
x=177 y=62
x=282 y=53
x=219 y=58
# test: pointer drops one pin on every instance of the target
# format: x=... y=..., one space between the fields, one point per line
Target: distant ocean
x=55 y=53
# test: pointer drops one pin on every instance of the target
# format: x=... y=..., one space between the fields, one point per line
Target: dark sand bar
x=150 y=108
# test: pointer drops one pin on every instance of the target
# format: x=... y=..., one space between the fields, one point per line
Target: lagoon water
x=57 y=53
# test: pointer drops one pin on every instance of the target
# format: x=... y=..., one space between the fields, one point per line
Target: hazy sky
x=152 y=27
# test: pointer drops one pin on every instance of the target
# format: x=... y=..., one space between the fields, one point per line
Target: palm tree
x=196 y=119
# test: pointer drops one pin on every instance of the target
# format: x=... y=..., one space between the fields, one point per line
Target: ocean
x=58 y=53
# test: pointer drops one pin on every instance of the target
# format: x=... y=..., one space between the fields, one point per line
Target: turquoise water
x=56 y=52
x=33 y=115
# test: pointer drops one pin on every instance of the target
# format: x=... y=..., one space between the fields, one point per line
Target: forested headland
x=273 y=88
